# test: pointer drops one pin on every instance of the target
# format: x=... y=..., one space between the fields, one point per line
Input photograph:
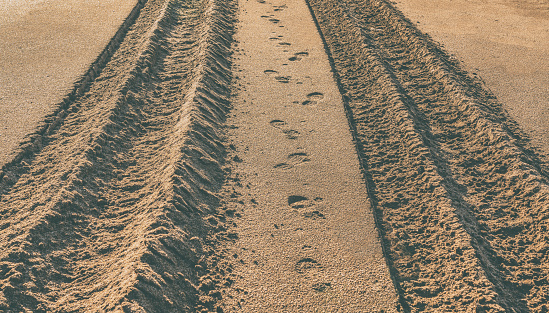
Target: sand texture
x=307 y=237
x=275 y=156
x=47 y=49
x=461 y=197
x=107 y=215
x=505 y=42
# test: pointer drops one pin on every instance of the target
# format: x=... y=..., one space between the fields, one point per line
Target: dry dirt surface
x=184 y=174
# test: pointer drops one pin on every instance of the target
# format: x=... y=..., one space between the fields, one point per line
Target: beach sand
x=504 y=42
x=45 y=47
x=274 y=156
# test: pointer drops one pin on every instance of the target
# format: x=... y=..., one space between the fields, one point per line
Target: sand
x=45 y=47
x=504 y=42
x=123 y=175
x=460 y=193
x=307 y=240
x=274 y=156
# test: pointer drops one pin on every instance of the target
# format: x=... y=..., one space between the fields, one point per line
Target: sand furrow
x=455 y=184
x=120 y=200
x=110 y=216
x=397 y=160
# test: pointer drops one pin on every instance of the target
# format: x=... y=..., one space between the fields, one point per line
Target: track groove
x=460 y=194
x=110 y=216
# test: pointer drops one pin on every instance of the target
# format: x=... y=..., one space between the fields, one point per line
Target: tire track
x=460 y=196
x=11 y=171
x=113 y=213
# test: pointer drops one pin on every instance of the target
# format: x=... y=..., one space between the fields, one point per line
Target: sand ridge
x=505 y=42
x=33 y=142
x=46 y=47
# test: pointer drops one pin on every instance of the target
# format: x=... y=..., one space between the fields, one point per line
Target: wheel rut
x=33 y=143
x=459 y=193
x=111 y=212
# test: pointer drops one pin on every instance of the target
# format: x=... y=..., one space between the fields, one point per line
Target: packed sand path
x=228 y=156
x=307 y=235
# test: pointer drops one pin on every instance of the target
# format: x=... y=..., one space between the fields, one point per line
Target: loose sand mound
x=114 y=204
x=45 y=46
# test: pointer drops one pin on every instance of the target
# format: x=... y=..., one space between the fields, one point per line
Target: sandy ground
x=114 y=211
x=227 y=156
x=308 y=242
x=460 y=193
x=45 y=47
x=506 y=42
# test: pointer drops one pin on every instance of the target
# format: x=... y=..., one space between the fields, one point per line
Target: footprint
x=283 y=79
x=268 y=72
x=283 y=126
x=298 y=158
x=306 y=264
x=278 y=123
x=308 y=208
x=279 y=8
x=313 y=98
x=296 y=199
x=294 y=159
x=291 y=134
x=271 y=18
x=321 y=287
x=284 y=43
x=315 y=214
x=299 y=56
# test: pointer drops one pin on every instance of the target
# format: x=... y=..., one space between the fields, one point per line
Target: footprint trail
x=306 y=234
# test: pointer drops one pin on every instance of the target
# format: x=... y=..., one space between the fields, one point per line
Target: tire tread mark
x=427 y=134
